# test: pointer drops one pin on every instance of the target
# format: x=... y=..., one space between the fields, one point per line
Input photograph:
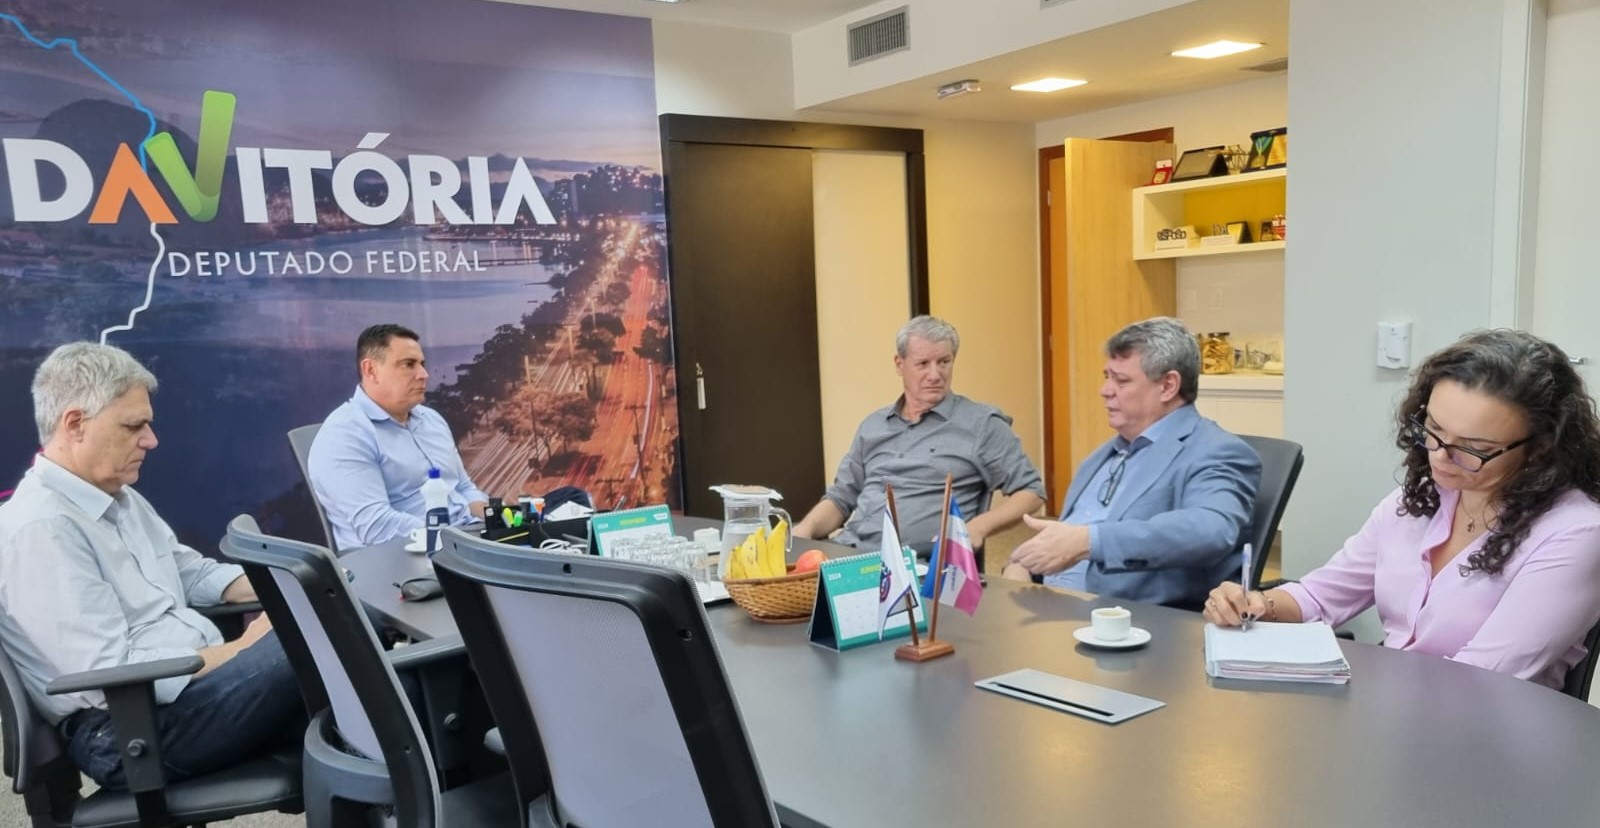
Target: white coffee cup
x=1111 y=623
x=419 y=536
x=708 y=539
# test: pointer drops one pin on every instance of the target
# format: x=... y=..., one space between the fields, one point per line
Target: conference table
x=857 y=738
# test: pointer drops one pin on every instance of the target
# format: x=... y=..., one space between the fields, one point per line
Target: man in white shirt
x=91 y=577
x=370 y=459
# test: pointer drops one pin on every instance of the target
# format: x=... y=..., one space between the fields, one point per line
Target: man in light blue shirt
x=373 y=453
x=1159 y=511
x=92 y=578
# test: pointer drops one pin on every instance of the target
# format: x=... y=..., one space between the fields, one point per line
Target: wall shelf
x=1243 y=382
x=1244 y=402
x=1250 y=197
x=1233 y=249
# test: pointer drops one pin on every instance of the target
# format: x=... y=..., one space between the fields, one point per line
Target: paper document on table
x=1276 y=652
x=710 y=592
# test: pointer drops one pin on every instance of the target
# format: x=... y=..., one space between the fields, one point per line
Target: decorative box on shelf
x=1225 y=200
x=1176 y=238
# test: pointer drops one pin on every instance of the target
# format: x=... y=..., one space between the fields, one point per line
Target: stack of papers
x=1276 y=652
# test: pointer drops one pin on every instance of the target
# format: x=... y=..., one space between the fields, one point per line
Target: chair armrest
x=143 y=672
x=225 y=610
x=131 y=700
x=422 y=654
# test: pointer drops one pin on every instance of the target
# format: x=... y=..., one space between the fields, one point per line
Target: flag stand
x=930 y=648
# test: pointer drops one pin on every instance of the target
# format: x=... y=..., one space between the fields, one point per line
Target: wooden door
x=1059 y=464
x=745 y=321
x=1105 y=288
x=1053 y=300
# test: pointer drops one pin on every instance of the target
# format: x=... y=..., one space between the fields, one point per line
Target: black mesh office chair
x=1582 y=674
x=1280 y=468
x=366 y=751
x=36 y=760
x=300 y=440
x=606 y=685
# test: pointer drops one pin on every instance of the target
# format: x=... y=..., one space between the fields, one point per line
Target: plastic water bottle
x=436 y=496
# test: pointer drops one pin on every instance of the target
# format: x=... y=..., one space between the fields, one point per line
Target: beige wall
x=862 y=292
x=983 y=246
x=983 y=254
x=1565 y=290
x=714 y=70
x=1347 y=268
x=1226 y=115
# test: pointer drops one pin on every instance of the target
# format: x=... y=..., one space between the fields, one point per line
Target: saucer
x=1136 y=638
x=417 y=546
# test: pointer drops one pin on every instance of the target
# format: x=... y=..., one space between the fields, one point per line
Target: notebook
x=711 y=592
x=1276 y=652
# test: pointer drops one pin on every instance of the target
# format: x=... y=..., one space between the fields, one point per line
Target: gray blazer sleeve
x=1215 y=498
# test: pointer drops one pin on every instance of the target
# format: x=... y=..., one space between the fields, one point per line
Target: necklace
x=1472 y=522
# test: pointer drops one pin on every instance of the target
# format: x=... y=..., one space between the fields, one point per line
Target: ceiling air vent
x=878 y=36
x=1279 y=65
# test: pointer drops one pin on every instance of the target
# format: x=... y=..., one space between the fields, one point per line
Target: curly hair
x=1563 y=450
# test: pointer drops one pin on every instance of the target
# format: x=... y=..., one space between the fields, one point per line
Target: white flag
x=895 y=581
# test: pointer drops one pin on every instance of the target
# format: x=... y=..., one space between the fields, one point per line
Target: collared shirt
x=969 y=440
x=367 y=471
x=1089 y=511
x=1528 y=621
x=90 y=580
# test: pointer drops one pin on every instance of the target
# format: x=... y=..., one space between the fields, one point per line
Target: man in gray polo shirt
x=927 y=433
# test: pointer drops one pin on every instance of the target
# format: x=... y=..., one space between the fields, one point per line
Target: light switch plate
x=1394 y=345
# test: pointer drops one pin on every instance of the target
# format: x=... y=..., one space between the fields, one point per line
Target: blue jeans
x=238 y=711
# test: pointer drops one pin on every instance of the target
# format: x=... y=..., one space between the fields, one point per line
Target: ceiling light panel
x=1047 y=85
x=1221 y=48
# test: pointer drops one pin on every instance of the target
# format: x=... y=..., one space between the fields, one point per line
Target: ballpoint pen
x=1244 y=581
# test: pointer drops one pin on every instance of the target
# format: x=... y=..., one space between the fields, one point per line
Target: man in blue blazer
x=1158 y=513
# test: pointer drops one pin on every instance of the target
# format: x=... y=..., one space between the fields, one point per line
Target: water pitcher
x=746 y=509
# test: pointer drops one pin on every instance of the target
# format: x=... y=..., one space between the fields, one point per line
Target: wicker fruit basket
x=783 y=600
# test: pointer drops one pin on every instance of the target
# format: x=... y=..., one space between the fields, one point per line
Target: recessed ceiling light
x=669 y=1
x=1047 y=85
x=1221 y=48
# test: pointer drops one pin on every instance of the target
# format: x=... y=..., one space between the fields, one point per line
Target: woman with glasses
x=1489 y=552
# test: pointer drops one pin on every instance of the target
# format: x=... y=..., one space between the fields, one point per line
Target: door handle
x=700 y=386
x=1578 y=360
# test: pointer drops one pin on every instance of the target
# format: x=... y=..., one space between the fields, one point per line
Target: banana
x=733 y=570
x=750 y=554
x=777 y=547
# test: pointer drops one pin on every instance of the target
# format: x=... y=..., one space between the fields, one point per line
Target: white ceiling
x=767 y=15
x=1124 y=63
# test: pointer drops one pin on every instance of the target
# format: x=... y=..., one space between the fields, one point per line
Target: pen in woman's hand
x=1244 y=581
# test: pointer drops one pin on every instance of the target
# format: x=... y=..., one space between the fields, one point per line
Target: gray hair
x=84 y=376
x=1163 y=344
x=931 y=328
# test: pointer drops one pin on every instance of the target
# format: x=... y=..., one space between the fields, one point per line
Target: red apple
x=809 y=561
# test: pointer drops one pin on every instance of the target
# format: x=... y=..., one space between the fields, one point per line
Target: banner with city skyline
x=233 y=191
